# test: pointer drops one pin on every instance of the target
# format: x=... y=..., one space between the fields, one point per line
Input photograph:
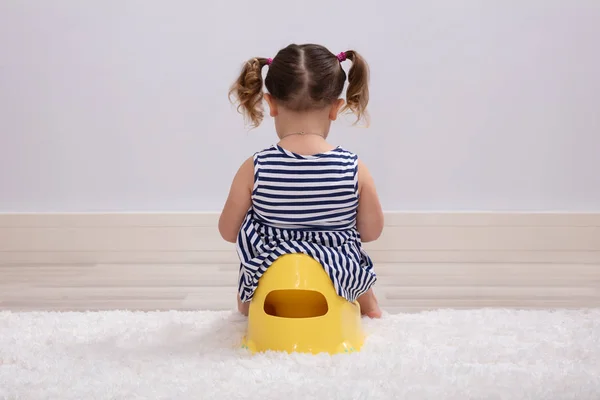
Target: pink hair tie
x=269 y=61
x=342 y=56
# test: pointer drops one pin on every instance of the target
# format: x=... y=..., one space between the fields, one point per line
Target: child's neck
x=310 y=123
x=305 y=144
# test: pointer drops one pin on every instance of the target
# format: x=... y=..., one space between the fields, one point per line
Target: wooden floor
x=405 y=287
x=166 y=261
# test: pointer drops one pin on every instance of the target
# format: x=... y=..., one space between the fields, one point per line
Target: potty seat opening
x=295 y=303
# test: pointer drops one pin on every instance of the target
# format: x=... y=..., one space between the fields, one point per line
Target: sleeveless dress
x=305 y=204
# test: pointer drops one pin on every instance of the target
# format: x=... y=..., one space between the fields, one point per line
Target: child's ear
x=335 y=109
x=272 y=105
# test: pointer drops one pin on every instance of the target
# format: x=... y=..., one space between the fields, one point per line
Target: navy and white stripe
x=305 y=204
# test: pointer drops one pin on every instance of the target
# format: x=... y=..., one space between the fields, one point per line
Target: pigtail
x=248 y=89
x=357 y=94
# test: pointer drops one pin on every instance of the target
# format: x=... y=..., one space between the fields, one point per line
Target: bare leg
x=243 y=307
x=369 y=305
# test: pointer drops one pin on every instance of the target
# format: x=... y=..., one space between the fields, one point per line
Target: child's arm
x=370 y=215
x=238 y=202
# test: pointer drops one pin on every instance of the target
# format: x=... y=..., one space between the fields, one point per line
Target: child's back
x=306 y=192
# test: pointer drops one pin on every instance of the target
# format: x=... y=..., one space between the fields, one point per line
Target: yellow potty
x=295 y=308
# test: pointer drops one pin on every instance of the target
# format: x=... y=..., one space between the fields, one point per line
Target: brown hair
x=301 y=78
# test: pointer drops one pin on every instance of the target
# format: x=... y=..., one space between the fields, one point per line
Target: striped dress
x=304 y=204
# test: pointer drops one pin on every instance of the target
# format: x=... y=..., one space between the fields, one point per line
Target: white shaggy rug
x=481 y=354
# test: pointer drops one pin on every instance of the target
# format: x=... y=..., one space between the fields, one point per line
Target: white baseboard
x=425 y=260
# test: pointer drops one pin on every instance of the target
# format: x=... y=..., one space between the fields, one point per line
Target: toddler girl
x=304 y=195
